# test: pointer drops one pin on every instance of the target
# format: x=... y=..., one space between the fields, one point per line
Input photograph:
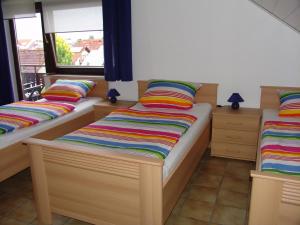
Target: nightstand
x=102 y=109
x=235 y=133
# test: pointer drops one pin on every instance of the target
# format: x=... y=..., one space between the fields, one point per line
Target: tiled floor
x=217 y=194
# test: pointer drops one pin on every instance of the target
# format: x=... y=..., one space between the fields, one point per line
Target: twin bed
x=101 y=186
x=14 y=155
x=275 y=197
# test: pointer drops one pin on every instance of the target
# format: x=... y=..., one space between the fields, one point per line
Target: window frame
x=12 y=30
x=81 y=70
x=50 y=54
x=50 y=57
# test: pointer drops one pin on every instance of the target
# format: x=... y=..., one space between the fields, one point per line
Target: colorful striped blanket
x=280 y=147
x=24 y=114
x=147 y=133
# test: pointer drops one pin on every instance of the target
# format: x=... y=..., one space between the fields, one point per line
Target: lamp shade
x=113 y=93
x=235 y=97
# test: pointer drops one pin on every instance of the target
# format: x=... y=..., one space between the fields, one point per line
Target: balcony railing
x=32 y=81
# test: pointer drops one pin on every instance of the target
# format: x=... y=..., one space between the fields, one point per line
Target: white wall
x=234 y=43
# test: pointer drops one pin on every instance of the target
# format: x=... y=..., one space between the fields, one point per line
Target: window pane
x=31 y=55
x=79 y=49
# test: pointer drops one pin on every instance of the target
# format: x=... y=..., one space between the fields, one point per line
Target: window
x=74 y=30
x=79 y=49
x=69 y=33
x=30 y=55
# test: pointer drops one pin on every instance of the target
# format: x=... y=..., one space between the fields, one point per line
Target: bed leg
x=151 y=187
x=40 y=185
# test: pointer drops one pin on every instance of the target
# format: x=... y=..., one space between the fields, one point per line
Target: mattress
x=82 y=107
x=280 y=144
x=202 y=111
x=272 y=114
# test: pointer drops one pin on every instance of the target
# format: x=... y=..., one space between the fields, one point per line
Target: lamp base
x=235 y=105
x=113 y=100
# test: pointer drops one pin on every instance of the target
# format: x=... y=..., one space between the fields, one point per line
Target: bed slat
x=291 y=193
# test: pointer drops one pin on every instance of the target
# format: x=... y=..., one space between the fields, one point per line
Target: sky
x=29 y=28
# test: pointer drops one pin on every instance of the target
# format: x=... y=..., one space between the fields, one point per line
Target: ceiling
x=286 y=10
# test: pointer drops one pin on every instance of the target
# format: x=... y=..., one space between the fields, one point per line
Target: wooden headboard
x=206 y=93
x=100 y=90
x=269 y=97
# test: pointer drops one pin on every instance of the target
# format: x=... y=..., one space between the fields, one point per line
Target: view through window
x=79 y=49
x=30 y=52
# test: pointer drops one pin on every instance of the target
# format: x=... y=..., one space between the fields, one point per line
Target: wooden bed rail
x=98 y=152
x=275 y=198
x=274 y=176
x=110 y=188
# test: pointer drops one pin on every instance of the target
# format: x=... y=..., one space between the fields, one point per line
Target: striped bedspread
x=147 y=133
x=24 y=114
x=280 y=147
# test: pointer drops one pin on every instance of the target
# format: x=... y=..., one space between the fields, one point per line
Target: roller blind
x=14 y=9
x=72 y=15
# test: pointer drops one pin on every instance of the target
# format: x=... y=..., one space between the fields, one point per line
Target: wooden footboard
x=95 y=186
x=275 y=199
x=106 y=187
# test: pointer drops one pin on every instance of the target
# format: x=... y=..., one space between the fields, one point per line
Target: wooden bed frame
x=15 y=158
x=106 y=187
x=275 y=199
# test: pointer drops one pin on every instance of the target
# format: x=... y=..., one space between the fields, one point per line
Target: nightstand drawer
x=236 y=123
x=247 y=152
x=233 y=136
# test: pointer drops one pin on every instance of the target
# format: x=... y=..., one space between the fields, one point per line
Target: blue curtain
x=6 y=93
x=117 y=40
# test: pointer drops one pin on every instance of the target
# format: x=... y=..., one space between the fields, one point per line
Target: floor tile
x=186 y=191
x=211 y=169
x=171 y=220
x=189 y=221
x=197 y=210
x=76 y=222
x=217 y=194
x=178 y=206
x=10 y=202
x=56 y=220
x=207 y=180
x=238 y=172
x=235 y=199
x=216 y=161
x=226 y=215
x=203 y=194
x=240 y=164
x=25 y=213
x=10 y=221
x=235 y=184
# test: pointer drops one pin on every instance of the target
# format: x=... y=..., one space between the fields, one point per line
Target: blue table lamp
x=112 y=95
x=235 y=98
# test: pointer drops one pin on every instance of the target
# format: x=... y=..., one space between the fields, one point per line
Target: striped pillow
x=68 y=90
x=289 y=103
x=170 y=94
